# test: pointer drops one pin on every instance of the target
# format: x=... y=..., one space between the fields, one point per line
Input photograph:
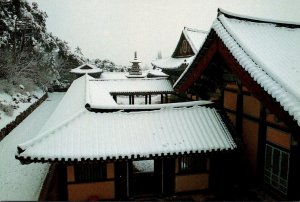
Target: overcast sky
x=114 y=29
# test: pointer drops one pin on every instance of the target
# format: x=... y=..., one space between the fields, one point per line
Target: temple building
x=101 y=150
x=250 y=68
x=188 y=45
x=87 y=69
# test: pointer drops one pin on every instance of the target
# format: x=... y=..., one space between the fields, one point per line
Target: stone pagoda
x=135 y=68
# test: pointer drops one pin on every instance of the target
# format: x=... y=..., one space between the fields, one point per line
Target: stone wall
x=9 y=127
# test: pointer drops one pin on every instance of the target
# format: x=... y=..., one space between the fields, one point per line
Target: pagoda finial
x=135 y=55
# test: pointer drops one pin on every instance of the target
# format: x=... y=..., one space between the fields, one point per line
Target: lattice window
x=193 y=164
x=90 y=172
x=276 y=168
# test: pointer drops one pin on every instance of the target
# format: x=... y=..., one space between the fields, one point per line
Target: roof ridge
x=22 y=147
x=195 y=30
x=151 y=107
x=279 y=23
x=132 y=79
x=88 y=64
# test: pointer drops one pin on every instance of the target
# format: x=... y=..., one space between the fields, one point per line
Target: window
x=143 y=166
x=193 y=164
x=90 y=172
x=276 y=168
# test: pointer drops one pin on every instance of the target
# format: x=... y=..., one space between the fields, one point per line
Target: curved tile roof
x=268 y=51
x=74 y=133
x=119 y=135
x=171 y=63
x=270 y=54
x=195 y=39
x=86 y=69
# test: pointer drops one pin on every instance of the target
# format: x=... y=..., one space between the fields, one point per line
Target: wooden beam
x=195 y=74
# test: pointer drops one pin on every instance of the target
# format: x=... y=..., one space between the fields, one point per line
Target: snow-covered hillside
x=12 y=106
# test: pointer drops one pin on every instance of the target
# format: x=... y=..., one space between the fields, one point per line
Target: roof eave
x=279 y=23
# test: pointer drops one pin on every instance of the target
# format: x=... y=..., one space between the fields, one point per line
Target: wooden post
x=166 y=98
x=161 y=98
x=262 y=135
x=146 y=99
x=150 y=99
x=239 y=110
x=132 y=97
x=162 y=175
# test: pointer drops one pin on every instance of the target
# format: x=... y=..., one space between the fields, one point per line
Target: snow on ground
x=24 y=182
x=22 y=106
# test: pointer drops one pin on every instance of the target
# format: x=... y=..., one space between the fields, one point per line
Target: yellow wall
x=251 y=106
x=271 y=118
x=191 y=182
x=230 y=100
x=279 y=137
x=82 y=191
x=250 y=138
x=232 y=118
x=70 y=174
x=176 y=165
x=110 y=170
x=231 y=86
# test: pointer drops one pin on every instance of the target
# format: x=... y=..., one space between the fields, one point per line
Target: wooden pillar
x=166 y=98
x=128 y=178
x=162 y=176
x=150 y=99
x=161 y=98
x=262 y=133
x=146 y=99
x=239 y=110
x=132 y=97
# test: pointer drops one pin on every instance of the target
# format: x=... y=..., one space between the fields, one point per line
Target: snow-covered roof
x=99 y=91
x=171 y=63
x=119 y=135
x=136 y=86
x=113 y=75
x=157 y=73
x=75 y=133
x=195 y=37
x=120 y=75
x=86 y=69
x=268 y=51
